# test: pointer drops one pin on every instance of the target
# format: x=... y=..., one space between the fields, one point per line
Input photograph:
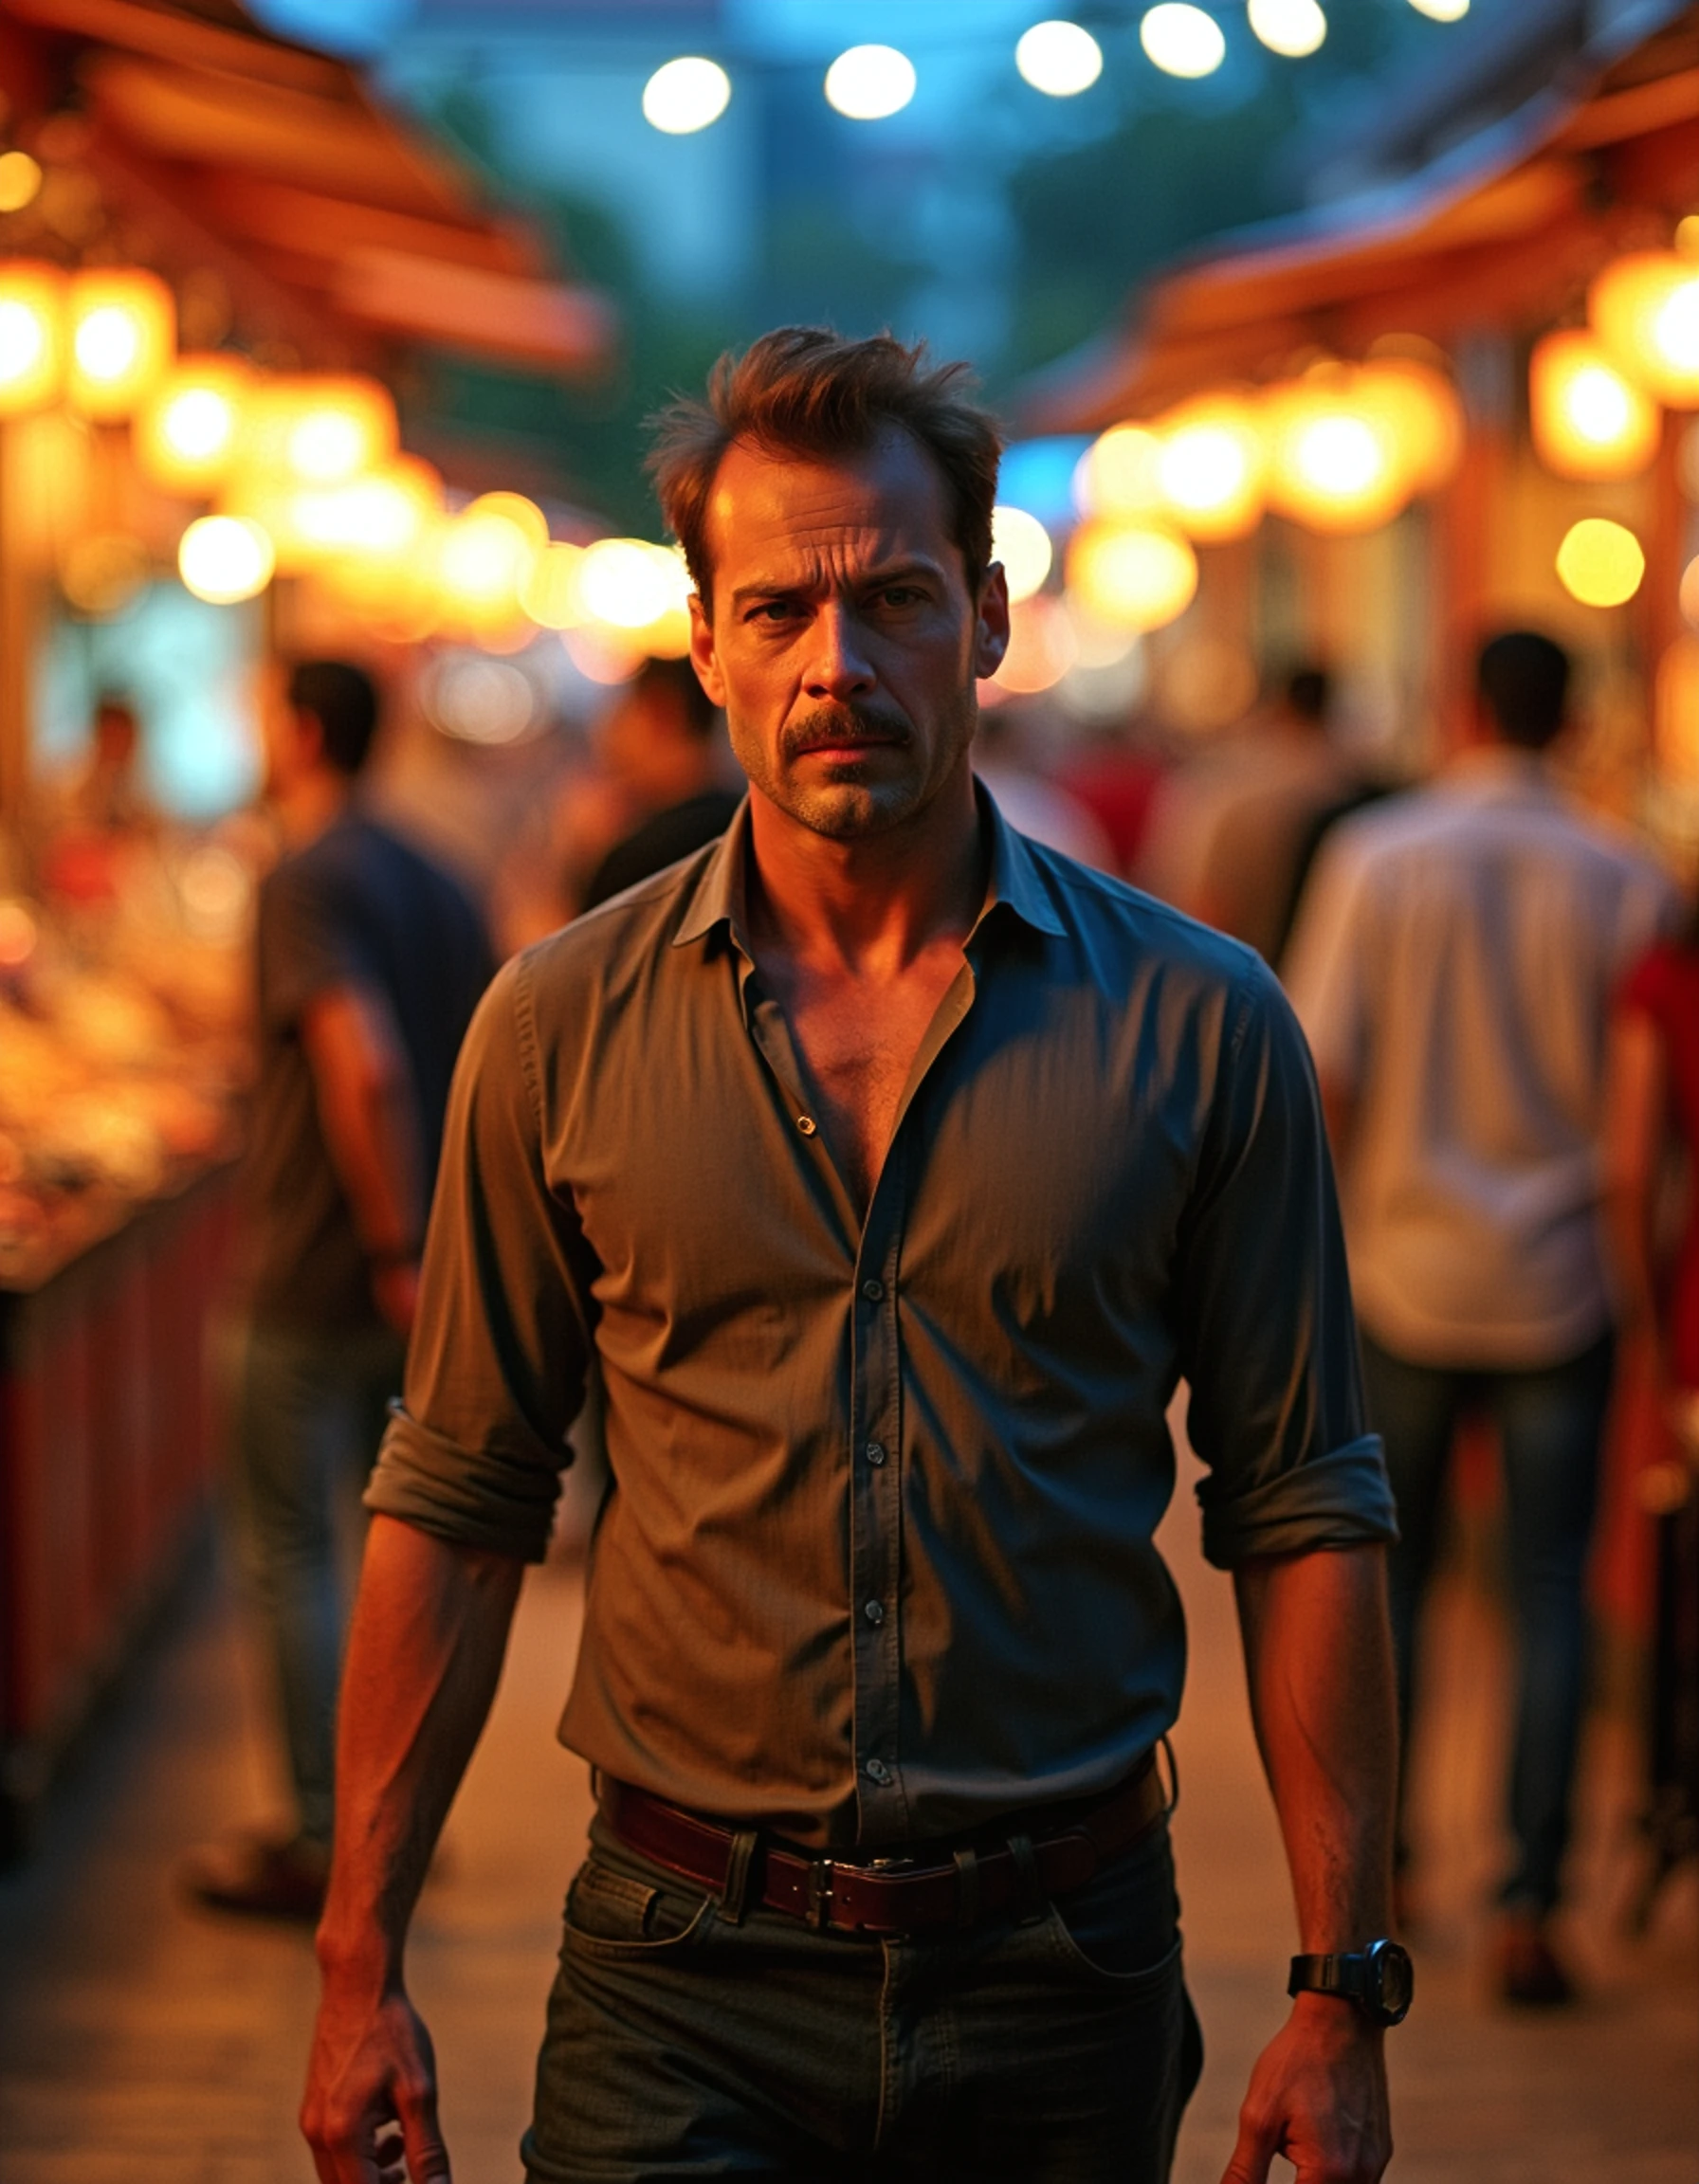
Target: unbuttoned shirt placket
x=875 y=1445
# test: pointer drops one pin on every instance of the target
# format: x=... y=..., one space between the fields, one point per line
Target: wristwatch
x=1378 y=1980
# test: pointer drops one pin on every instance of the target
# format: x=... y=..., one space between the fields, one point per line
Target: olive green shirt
x=876 y=1560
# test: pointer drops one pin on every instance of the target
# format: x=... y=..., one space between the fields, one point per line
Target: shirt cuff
x=1341 y=1499
x=487 y=1497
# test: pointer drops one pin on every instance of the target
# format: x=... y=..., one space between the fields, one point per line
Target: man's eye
x=772 y=611
x=901 y=596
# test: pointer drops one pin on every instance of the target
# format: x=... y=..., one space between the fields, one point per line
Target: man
x=661 y=746
x=894 y=1169
x=1454 y=965
x=370 y=963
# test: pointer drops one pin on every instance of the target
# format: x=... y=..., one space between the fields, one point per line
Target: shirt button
x=872 y=1289
x=874 y=1452
x=876 y=1770
x=874 y=1612
x=807 y=1124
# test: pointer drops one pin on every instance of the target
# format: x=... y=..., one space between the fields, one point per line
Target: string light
x=1600 y=563
x=225 y=558
x=870 y=82
x=1291 y=28
x=685 y=95
x=1182 y=40
x=1587 y=419
x=1059 y=59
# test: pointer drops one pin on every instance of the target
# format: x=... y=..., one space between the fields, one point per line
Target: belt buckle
x=818 y=1913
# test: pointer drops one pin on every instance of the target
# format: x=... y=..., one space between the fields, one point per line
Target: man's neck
x=868 y=907
x=311 y=803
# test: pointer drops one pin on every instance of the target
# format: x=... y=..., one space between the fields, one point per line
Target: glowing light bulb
x=1059 y=59
x=1182 y=40
x=1291 y=27
x=1210 y=467
x=31 y=303
x=123 y=331
x=20 y=181
x=550 y=593
x=870 y=82
x=1588 y=419
x=1600 y=563
x=1117 y=474
x=1022 y=544
x=629 y=584
x=225 y=558
x=685 y=95
x=1131 y=576
x=1441 y=10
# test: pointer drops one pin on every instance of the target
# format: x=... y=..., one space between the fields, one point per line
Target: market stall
x=1539 y=272
x=218 y=255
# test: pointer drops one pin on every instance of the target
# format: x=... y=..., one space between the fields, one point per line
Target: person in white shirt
x=1452 y=964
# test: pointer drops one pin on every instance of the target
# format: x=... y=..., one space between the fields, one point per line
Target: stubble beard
x=855 y=798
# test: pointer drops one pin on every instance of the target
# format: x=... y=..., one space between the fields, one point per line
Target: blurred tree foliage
x=1180 y=163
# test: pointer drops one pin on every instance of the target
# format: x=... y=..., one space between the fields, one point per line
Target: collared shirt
x=876 y=1560
x=1453 y=963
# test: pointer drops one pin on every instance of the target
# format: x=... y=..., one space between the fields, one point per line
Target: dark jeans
x=307 y=1413
x=1060 y=2051
x=1550 y=1422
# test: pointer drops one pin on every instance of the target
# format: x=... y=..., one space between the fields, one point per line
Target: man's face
x=844 y=643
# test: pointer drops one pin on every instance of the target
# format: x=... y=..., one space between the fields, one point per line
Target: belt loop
x=1029 y=1890
x=734 y=1893
x=1173 y=1775
x=967 y=1889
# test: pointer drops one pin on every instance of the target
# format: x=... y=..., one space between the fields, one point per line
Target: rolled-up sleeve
x=1266 y=1335
x=501 y=1347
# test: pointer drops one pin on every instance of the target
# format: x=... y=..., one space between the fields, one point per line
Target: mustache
x=836 y=726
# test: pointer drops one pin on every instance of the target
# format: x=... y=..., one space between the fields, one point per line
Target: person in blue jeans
x=1454 y=964
x=369 y=962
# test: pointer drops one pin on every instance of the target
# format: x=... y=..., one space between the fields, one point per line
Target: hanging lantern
x=1588 y=419
x=549 y=594
x=485 y=557
x=1335 y=462
x=187 y=431
x=1209 y=467
x=319 y=429
x=31 y=334
x=1600 y=563
x=122 y=334
x=1117 y=474
x=383 y=516
x=1645 y=309
x=1131 y=576
x=1421 y=406
x=225 y=558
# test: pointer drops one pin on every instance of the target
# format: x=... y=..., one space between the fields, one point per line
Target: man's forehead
x=888 y=498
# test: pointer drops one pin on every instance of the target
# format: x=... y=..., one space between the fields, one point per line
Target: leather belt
x=926 y=1892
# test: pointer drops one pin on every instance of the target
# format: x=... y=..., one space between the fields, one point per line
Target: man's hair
x=1308 y=691
x=1522 y=678
x=343 y=699
x=804 y=391
x=678 y=680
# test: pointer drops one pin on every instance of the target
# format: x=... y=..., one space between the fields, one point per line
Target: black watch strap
x=1378 y=1980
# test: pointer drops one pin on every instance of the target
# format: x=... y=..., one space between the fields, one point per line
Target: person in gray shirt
x=894 y=1169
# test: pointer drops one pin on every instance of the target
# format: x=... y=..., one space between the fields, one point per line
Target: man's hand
x=1318 y=2095
x=371 y=2094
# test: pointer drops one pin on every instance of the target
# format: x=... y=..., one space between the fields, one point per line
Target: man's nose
x=838 y=666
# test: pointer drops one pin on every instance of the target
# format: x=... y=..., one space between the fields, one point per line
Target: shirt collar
x=720 y=897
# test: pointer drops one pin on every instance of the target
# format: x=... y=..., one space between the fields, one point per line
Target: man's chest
x=1037 y=1172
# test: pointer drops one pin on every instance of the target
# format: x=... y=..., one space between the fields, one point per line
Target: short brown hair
x=807 y=391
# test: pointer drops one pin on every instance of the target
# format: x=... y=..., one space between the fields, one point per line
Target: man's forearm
x=1317 y=1656
x=424 y=1656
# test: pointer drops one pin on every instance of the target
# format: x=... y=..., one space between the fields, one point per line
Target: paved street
x=143 y=2043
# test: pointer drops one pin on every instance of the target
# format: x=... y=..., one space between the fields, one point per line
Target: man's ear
x=704 y=658
x=991 y=622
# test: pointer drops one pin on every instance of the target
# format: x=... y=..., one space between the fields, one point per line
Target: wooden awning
x=1505 y=233
x=288 y=170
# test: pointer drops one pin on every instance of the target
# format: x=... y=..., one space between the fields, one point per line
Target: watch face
x=1394 y=1979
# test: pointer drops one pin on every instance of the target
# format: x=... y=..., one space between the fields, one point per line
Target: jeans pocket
x=1122 y=1927
x=614 y=1914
